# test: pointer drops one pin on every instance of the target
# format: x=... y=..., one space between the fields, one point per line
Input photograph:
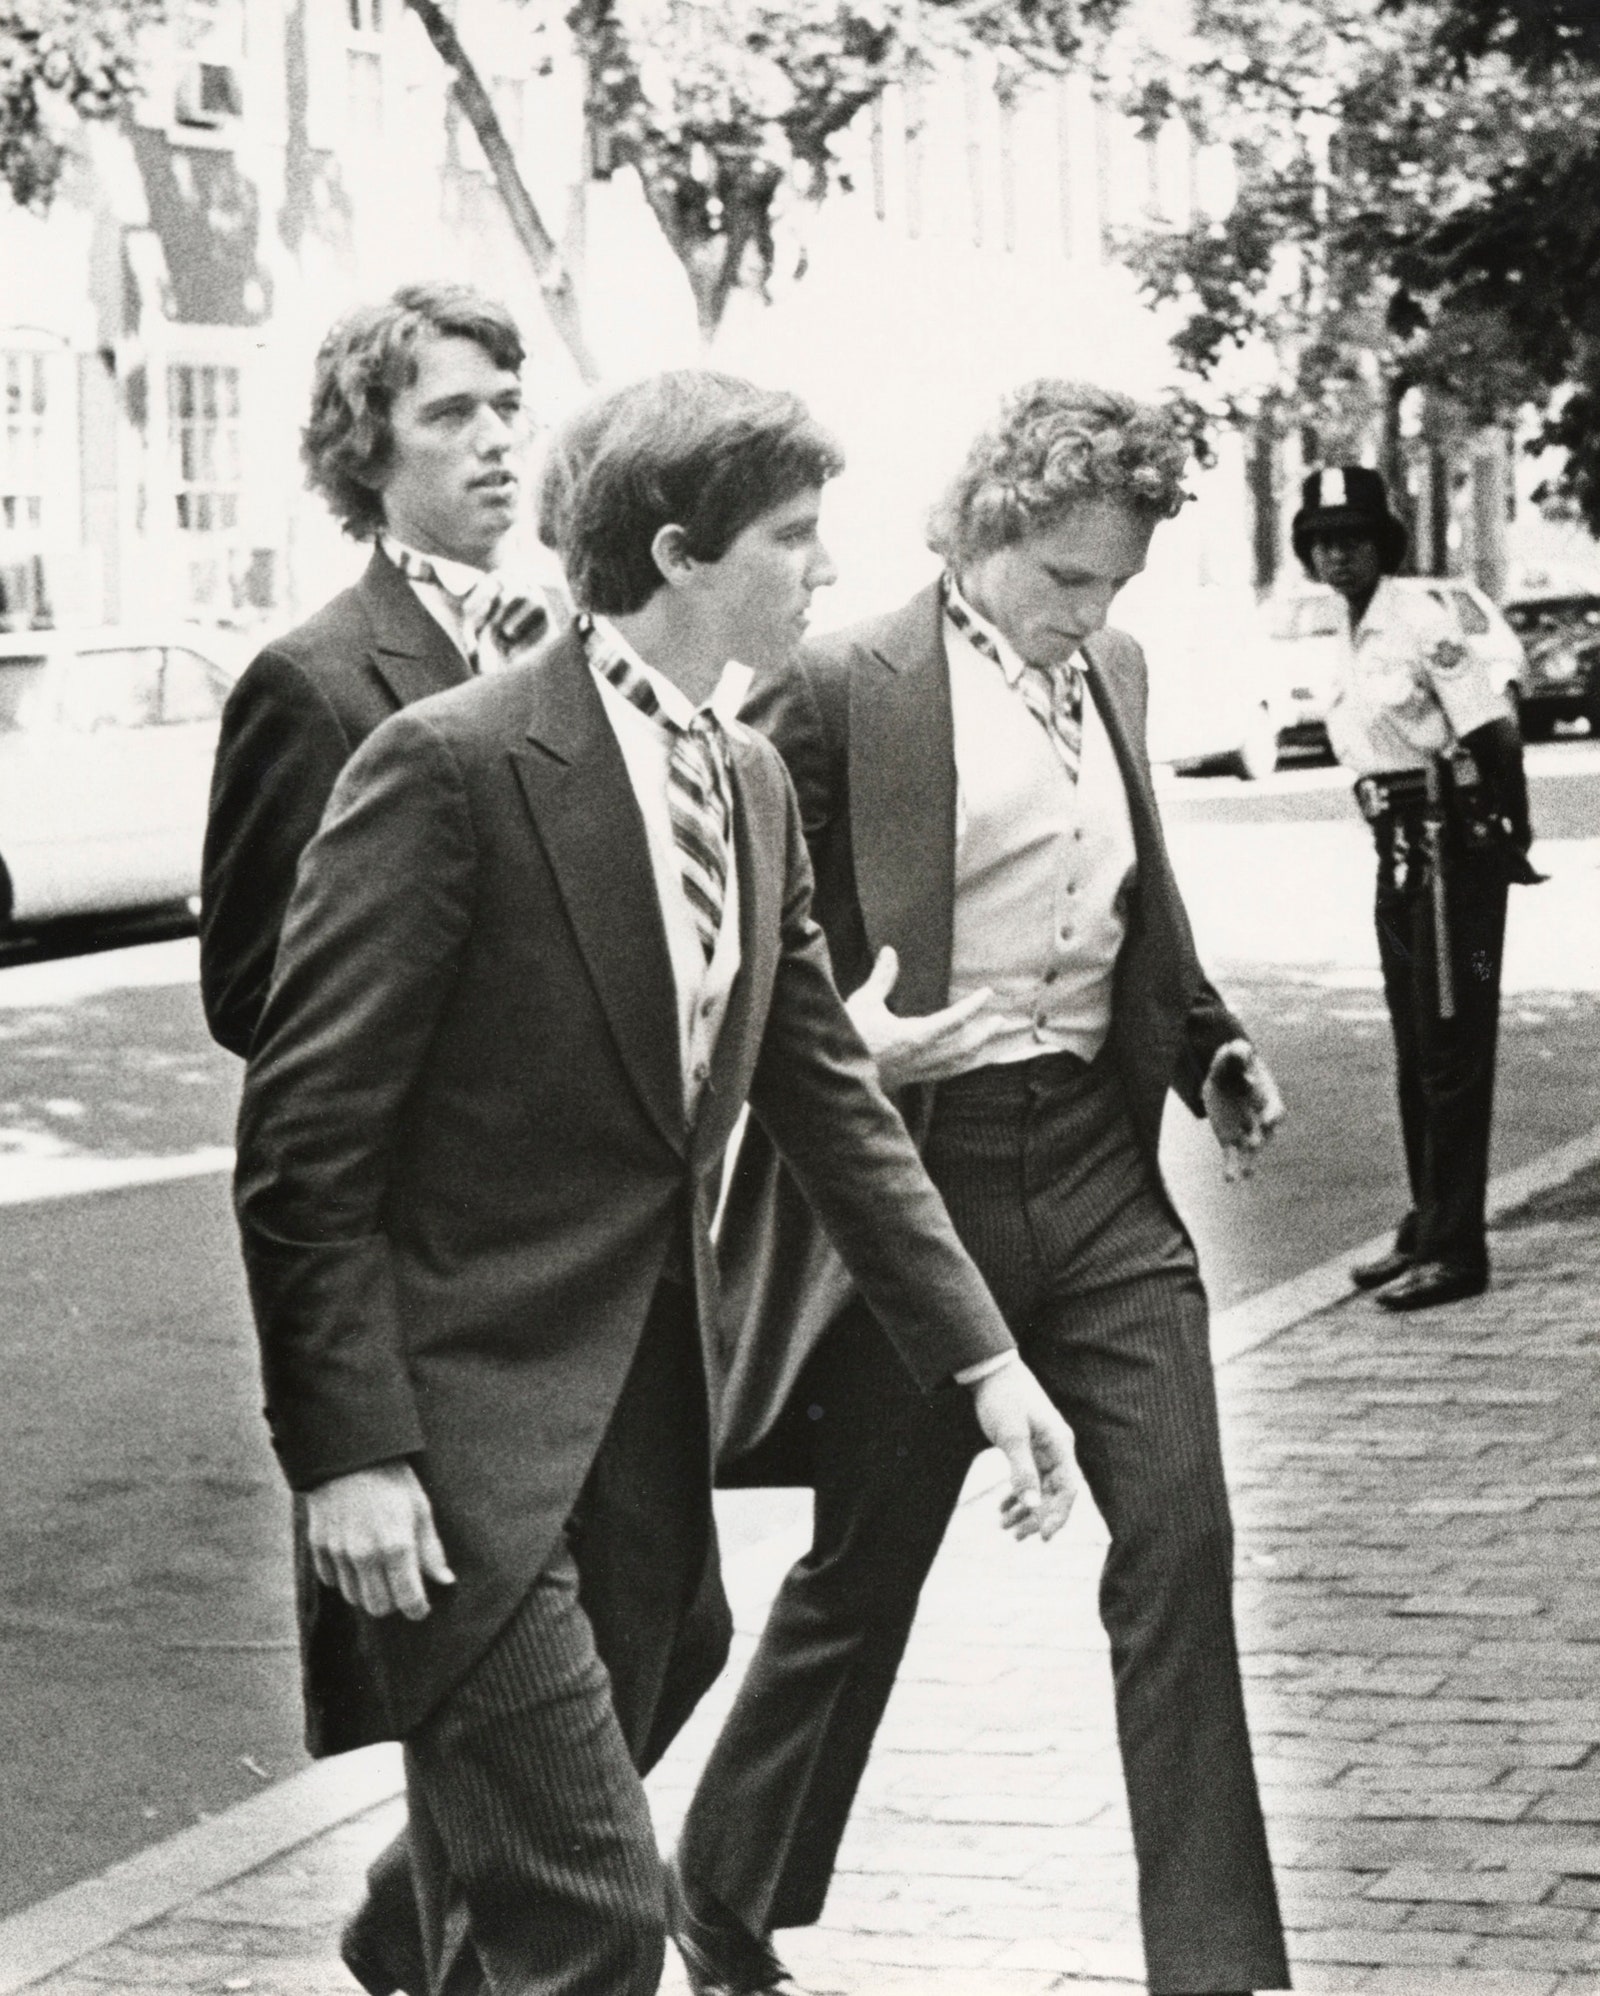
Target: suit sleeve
x=1210 y=1025
x=783 y=705
x=279 y=753
x=815 y=1091
x=368 y=959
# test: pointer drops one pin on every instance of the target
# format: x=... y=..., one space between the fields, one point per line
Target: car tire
x=1257 y=755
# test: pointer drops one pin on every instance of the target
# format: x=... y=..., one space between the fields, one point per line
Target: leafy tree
x=59 y=58
x=727 y=107
x=1406 y=194
x=1524 y=248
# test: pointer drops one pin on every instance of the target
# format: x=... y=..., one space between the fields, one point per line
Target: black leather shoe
x=1374 y=1274
x=721 y=1957
x=366 y=1962
x=1427 y=1282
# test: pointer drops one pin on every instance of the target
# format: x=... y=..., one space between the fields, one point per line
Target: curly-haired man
x=976 y=793
x=415 y=440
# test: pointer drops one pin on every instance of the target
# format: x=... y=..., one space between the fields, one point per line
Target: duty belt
x=1396 y=790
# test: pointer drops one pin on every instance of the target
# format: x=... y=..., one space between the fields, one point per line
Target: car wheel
x=1257 y=755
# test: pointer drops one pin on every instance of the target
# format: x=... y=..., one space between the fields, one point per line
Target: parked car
x=1561 y=635
x=106 y=743
x=1303 y=631
x=1214 y=706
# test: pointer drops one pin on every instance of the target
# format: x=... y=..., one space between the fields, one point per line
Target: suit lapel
x=903 y=800
x=578 y=791
x=411 y=655
x=1111 y=702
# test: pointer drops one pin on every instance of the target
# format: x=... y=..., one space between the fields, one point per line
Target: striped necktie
x=1052 y=694
x=509 y=619
x=699 y=795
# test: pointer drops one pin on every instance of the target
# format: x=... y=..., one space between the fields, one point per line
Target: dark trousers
x=1063 y=1213
x=529 y=1861
x=1444 y=1068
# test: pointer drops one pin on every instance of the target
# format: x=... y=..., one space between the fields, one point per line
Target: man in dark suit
x=416 y=440
x=554 y=931
x=416 y=437
x=976 y=794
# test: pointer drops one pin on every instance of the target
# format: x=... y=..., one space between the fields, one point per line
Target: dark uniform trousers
x=1063 y=1213
x=1444 y=1068
x=530 y=1857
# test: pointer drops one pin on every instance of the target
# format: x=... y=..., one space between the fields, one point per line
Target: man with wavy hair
x=415 y=439
x=996 y=893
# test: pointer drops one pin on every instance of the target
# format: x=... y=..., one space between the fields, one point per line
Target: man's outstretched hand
x=930 y=1047
x=372 y=1536
x=1017 y=1415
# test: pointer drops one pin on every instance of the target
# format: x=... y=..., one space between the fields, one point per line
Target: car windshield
x=1553 y=613
x=19 y=677
x=1308 y=617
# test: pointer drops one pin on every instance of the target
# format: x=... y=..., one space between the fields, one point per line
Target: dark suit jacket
x=863 y=721
x=297 y=714
x=463 y=1157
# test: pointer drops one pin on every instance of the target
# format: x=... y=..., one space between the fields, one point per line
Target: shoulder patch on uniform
x=1448 y=655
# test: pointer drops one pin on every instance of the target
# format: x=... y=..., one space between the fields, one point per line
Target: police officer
x=1438 y=762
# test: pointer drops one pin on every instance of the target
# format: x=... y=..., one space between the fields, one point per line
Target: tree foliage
x=729 y=108
x=60 y=59
x=1418 y=208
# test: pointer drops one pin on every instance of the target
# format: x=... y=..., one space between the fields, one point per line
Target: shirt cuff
x=969 y=1375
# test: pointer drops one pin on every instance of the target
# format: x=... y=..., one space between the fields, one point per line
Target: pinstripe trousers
x=530 y=1846
x=1052 y=1195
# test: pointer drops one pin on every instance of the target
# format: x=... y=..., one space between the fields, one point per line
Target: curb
x=51 y=1935
x=1246 y=1325
x=90 y=1915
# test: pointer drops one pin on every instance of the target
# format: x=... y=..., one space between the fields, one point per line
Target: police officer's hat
x=1348 y=499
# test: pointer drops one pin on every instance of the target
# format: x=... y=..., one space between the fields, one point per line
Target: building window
x=203 y=405
x=363 y=67
x=209 y=92
x=22 y=441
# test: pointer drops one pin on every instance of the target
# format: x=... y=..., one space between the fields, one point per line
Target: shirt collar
x=1010 y=661
x=456 y=578
x=727 y=696
x=1382 y=610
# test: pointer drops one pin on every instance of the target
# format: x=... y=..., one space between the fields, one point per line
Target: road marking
x=51 y=1935
x=26 y=1181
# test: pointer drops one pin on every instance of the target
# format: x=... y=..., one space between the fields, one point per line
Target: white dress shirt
x=702 y=988
x=1044 y=866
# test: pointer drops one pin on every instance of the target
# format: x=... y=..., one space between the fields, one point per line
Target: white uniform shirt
x=1044 y=866
x=1405 y=687
x=702 y=988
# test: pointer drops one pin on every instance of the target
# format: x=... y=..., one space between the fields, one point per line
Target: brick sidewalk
x=1418 y=1503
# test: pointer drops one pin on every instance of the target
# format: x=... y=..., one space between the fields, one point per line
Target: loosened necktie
x=699 y=801
x=511 y=618
x=1052 y=694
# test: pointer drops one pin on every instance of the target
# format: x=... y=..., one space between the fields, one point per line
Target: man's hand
x=1017 y=1415
x=372 y=1536
x=1243 y=1105
x=929 y=1048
